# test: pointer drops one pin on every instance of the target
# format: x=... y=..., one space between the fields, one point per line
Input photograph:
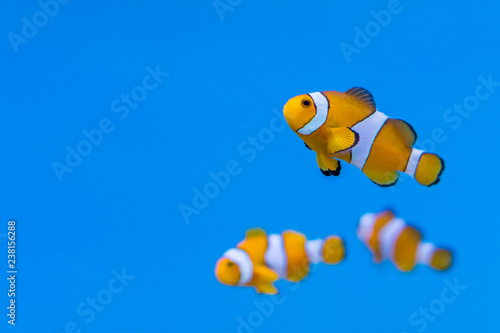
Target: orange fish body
x=260 y=259
x=388 y=237
x=347 y=126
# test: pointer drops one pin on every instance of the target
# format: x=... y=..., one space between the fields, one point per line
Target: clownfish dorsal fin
x=406 y=130
x=362 y=95
x=341 y=139
x=388 y=214
x=255 y=232
x=389 y=209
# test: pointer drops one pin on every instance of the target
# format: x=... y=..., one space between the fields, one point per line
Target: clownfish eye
x=230 y=264
x=306 y=103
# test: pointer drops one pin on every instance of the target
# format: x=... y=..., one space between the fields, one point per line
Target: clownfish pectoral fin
x=264 y=278
x=363 y=96
x=266 y=288
x=382 y=178
x=255 y=233
x=264 y=274
x=341 y=139
x=328 y=165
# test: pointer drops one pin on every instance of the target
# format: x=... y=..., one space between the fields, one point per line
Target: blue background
x=119 y=207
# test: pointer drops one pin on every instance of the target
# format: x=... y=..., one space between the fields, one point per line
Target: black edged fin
x=357 y=137
x=307 y=146
x=439 y=174
x=335 y=172
x=325 y=172
x=386 y=184
x=356 y=140
x=342 y=139
x=362 y=95
x=406 y=130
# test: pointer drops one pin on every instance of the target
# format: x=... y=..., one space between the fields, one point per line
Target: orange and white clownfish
x=260 y=259
x=388 y=237
x=347 y=126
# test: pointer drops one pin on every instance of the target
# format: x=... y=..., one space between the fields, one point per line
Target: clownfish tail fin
x=437 y=258
x=441 y=260
x=333 y=250
x=425 y=167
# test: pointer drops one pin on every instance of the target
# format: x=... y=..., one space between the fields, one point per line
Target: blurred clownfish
x=260 y=259
x=388 y=237
x=347 y=126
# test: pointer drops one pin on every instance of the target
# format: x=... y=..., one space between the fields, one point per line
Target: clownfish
x=260 y=259
x=388 y=237
x=347 y=126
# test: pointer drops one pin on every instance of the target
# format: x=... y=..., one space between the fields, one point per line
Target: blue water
x=102 y=245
